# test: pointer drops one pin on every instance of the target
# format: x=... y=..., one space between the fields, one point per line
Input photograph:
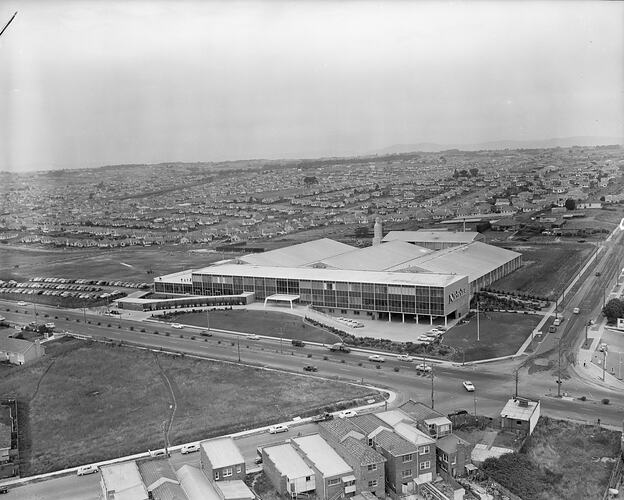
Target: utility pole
x=586 y=327
x=478 y=339
x=559 y=374
x=238 y=339
x=516 y=383
x=432 y=402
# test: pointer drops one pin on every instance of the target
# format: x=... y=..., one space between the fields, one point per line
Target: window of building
x=407 y=458
x=227 y=472
x=357 y=313
x=372 y=467
x=370 y=441
x=333 y=482
x=308 y=478
x=424 y=450
x=519 y=422
x=444 y=457
x=217 y=476
x=372 y=484
x=343 y=311
x=406 y=473
x=454 y=460
x=239 y=469
x=425 y=465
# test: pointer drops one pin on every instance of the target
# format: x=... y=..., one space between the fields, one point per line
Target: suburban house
x=287 y=470
x=334 y=478
x=221 y=460
x=195 y=484
x=352 y=445
x=19 y=351
x=122 y=481
x=160 y=480
x=520 y=415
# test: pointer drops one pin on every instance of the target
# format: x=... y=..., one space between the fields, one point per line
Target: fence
x=616 y=476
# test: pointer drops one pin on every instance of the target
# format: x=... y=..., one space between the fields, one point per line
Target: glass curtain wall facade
x=417 y=299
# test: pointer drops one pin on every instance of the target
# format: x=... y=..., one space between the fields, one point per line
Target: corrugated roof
x=222 y=452
x=169 y=491
x=378 y=257
x=298 y=255
x=234 y=489
x=313 y=274
x=364 y=453
x=195 y=484
x=288 y=461
x=368 y=422
x=9 y=344
x=474 y=260
x=395 y=444
x=323 y=456
x=419 y=411
x=152 y=470
x=424 y=236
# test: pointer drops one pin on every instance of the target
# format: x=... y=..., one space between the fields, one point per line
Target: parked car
x=298 y=343
x=552 y=329
x=456 y=413
x=87 y=469
x=22 y=303
x=189 y=448
x=347 y=414
x=253 y=337
x=157 y=453
x=422 y=367
x=275 y=429
x=468 y=385
x=557 y=321
x=405 y=357
x=376 y=358
x=3 y=490
x=425 y=339
x=576 y=310
x=176 y=325
x=323 y=417
x=310 y=368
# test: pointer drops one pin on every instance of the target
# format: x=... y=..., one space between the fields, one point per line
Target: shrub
x=309 y=355
x=142 y=330
x=396 y=368
x=325 y=358
x=131 y=328
x=109 y=325
x=156 y=332
x=583 y=398
x=342 y=361
x=605 y=401
x=378 y=367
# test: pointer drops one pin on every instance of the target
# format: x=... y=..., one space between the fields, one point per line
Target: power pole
x=432 y=402
x=478 y=339
x=559 y=374
x=238 y=338
x=516 y=383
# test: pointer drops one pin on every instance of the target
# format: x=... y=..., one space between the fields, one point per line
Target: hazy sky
x=86 y=83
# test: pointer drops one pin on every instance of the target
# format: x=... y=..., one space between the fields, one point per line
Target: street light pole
x=432 y=402
x=238 y=338
x=559 y=374
x=478 y=319
x=604 y=363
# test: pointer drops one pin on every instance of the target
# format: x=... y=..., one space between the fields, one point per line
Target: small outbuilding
x=520 y=414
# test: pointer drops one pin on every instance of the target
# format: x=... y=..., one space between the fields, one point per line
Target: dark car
x=298 y=343
x=323 y=417
x=3 y=490
x=310 y=368
x=455 y=413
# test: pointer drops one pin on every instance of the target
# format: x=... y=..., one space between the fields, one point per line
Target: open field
x=269 y=323
x=500 y=334
x=560 y=461
x=546 y=269
x=85 y=402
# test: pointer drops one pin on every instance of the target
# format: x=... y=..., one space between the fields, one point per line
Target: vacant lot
x=560 y=461
x=500 y=334
x=86 y=402
x=273 y=324
x=546 y=270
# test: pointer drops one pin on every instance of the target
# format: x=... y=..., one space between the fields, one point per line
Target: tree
x=570 y=204
x=474 y=172
x=613 y=310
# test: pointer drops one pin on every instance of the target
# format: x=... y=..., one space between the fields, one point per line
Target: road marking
x=124 y=264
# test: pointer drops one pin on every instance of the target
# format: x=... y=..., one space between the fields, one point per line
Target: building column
x=403 y=317
x=431 y=319
x=445 y=321
x=389 y=316
x=417 y=319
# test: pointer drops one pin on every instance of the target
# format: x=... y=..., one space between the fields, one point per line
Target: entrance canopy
x=282 y=297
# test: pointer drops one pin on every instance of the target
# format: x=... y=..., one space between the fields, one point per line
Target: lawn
x=86 y=402
x=546 y=268
x=269 y=323
x=500 y=334
x=560 y=461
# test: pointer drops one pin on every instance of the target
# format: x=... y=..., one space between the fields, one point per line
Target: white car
x=253 y=337
x=376 y=358
x=176 y=325
x=424 y=338
x=422 y=367
x=22 y=303
x=347 y=414
x=87 y=469
x=405 y=357
x=468 y=385
x=157 y=453
x=189 y=448
x=275 y=429
x=576 y=310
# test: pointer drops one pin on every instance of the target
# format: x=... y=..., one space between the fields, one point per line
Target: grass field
x=546 y=269
x=564 y=462
x=271 y=323
x=500 y=334
x=86 y=402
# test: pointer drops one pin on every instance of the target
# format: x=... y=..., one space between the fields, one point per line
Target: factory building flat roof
x=313 y=274
x=288 y=461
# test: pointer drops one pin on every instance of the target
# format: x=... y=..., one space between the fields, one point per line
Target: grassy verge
x=561 y=460
x=86 y=402
x=500 y=334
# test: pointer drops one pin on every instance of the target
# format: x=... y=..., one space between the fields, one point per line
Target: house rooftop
x=323 y=456
x=395 y=444
x=519 y=409
x=222 y=452
x=125 y=480
x=419 y=411
x=20 y=346
x=448 y=444
x=360 y=450
x=195 y=484
x=288 y=461
x=235 y=489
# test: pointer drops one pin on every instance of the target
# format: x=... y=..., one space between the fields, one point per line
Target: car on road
x=468 y=385
x=576 y=310
x=3 y=490
x=376 y=358
x=422 y=367
x=176 y=325
x=157 y=453
x=310 y=368
x=323 y=417
x=405 y=357
x=22 y=303
x=557 y=321
x=253 y=337
x=347 y=414
x=189 y=448
x=87 y=469
x=597 y=273
x=298 y=343
x=552 y=329
x=425 y=339
x=277 y=428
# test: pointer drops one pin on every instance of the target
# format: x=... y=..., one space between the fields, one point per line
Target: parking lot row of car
x=51 y=286
x=63 y=293
x=351 y=322
x=125 y=284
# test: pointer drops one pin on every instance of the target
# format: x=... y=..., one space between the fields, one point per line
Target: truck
x=339 y=347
